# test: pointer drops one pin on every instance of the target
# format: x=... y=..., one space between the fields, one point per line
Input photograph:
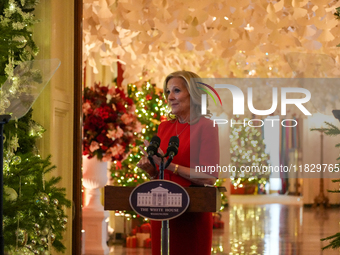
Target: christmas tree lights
x=247 y=149
x=150 y=110
x=33 y=206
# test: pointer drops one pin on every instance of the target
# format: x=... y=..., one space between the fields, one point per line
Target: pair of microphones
x=172 y=150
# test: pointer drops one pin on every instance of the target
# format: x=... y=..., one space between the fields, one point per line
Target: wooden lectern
x=202 y=199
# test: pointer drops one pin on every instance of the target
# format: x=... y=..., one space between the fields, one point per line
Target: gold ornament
x=44 y=232
x=52 y=237
x=43 y=240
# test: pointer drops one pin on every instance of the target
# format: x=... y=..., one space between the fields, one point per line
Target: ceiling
x=243 y=38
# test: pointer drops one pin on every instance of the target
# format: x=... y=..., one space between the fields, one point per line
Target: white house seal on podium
x=159 y=200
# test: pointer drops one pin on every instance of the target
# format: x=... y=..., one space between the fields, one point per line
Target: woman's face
x=179 y=98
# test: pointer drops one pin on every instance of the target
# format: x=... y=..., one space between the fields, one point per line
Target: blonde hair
x=192 y=84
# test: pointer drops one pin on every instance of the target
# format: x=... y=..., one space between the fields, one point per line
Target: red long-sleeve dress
x=190 y=233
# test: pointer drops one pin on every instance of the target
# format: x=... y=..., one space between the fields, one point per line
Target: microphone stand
x=165 y=230
x=3 y=120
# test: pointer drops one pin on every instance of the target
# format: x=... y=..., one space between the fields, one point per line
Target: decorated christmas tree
x=34 y=217
x=247 y=150
x=332 y=130
x=33 y=206
x=150 y=110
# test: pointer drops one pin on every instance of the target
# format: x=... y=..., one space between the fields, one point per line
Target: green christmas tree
x=333 y=131
x=33 y=206
x=17 y=45
x=334 y=240
x=34 y=218
x=151 y=110
x=248 y=150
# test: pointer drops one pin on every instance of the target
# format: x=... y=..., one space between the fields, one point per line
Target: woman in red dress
x=190 y=233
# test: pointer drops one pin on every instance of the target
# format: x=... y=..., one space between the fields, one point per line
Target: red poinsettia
x=109 y=123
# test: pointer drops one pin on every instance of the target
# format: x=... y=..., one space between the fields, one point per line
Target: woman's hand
x=145 y=164
x=156 y=159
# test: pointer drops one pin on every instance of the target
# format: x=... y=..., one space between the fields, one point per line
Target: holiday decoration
x=94 y=216
x=247 y=150
x=31 y=223
x=224 y=199
x=33 y=205
x=217 y=222
x=17 y=45
x=332 y=130
x=206 y=36
x=150 y=111
x=110 y=123
x=110 y=129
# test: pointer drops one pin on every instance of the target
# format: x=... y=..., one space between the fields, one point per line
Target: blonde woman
x=190 y=233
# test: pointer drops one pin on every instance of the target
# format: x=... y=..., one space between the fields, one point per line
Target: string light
x=247 y=149
x=149 y=110
x=11 y=7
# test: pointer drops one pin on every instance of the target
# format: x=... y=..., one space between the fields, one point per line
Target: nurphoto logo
x=238 y=100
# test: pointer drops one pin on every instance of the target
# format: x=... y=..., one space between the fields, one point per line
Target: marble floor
x=268 y=229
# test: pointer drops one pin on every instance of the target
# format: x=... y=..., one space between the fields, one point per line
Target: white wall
x=54 y=108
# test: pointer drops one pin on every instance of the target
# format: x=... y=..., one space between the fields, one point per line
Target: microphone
x=172 y=150
x=153 y=146
x=152 y=149
x=172 y=147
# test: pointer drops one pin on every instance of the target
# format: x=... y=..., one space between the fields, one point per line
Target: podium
x=195 y=199
x=202 y=199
